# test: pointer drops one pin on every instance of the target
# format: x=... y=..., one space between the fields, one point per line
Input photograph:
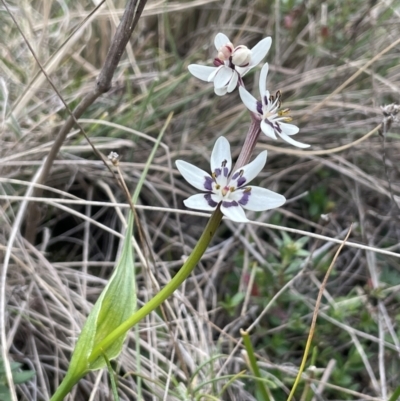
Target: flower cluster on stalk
x=222 y=188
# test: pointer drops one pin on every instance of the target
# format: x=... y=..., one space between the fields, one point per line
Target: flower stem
x=159 y=298
x=249 y=143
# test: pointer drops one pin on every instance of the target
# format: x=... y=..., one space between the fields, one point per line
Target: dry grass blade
x=315 y=316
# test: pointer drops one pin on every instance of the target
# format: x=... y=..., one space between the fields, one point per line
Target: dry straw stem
x=352 y=78
x=315 y=316
x=128 y=23
x=3 y=281
x=56 y=202
x=323 y=151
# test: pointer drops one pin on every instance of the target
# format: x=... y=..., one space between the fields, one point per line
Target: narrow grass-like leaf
x=112 y=378
x=396 y=394
x=253 y=365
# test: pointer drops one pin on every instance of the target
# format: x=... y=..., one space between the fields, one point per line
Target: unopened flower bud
x=225 y=51
x=241 y=56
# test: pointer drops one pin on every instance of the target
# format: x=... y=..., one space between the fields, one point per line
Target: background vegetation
x=252 y=273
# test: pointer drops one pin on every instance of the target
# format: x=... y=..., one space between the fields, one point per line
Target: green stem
x=159 y=298
x=253 y=365
x=66 y=385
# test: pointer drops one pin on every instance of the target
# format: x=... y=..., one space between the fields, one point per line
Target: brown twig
x=128 y=23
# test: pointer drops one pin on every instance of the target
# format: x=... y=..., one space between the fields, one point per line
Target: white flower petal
x=223 y=76
x=211 y=77
x=221 y=91
x=290 y=140
x=268 y=130
x=263 y=80
x=198 y=202
x=289 y=129
x=234 y=213
x=259 y=199
x=259 y=51
x=249 y=100
x=201 y=71
x=242 y=71
x=250 y=171
x=220 y=40
x=221 y=152
x=193 y=175
x=233 y=82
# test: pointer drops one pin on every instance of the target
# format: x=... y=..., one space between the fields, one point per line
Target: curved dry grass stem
x=3 y=280
x=315 y=316
x=353 y=77
x=338 y=149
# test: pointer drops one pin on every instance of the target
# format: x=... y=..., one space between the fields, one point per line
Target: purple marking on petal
x=245 y=198
x=259 y=107
x=241 y=181
x=225 y=171
x=272 y=125
x=236 y=175
x=229 y=204
x=210 y=201
x=266 y=101
x=277 y=127
x=208 y=183
x=217 y=172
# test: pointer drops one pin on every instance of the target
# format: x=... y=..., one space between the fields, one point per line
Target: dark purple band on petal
x=259 y=107
x=236 y=175
x=217 y=172
x=241 y=181
x=208 y=183
x=210 y=201
x=245 y=198
x=275 y=126
x=229 y=204
x=225 y=171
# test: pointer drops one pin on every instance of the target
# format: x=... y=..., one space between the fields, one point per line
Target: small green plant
x=19 y=377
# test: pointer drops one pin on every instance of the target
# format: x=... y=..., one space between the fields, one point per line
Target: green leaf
x=24 y=376
x=112 y=379
x=4 y=393
x=115 y=304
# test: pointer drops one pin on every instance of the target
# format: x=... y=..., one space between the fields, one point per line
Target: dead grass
x=51 y=287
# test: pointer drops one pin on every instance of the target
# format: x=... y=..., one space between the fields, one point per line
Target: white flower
x=273 y=120
x=231 y=191
x=231 y=63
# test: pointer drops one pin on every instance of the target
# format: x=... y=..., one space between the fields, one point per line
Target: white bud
x=241 y=56
x=225 y=51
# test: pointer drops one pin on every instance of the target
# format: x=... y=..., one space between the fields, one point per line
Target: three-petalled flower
x=230 y=191
x=274 y=120
x=231 y=63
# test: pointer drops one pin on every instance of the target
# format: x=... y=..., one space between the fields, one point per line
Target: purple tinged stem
x=249 y=143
